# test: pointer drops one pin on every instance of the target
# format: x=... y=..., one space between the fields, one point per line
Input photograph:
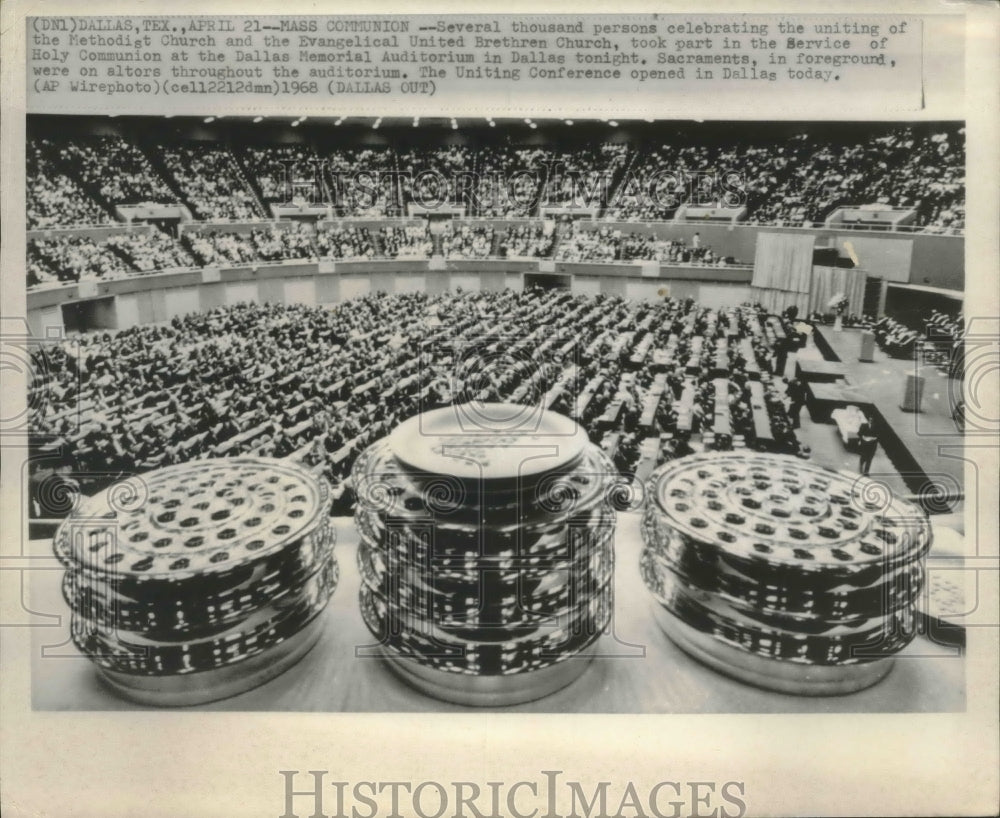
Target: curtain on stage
x=828 y=281
x=782 y=270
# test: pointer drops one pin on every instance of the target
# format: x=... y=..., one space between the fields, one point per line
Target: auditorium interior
x=297 y=288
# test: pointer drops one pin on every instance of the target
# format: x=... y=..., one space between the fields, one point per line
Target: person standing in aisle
x=796 y=392
x=867 y=444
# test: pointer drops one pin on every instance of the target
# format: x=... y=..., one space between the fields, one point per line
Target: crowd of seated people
x=507 y=182
x=151 y=251
x=896 y=339
x=211 y=182
x=413 y=241
x=53 y=199
x=798 y=181
x=116 y=169
x=286 y=172
x=157 y=250
x=944 y=326
x=345 y=242
x=432 y=176
x=74 y=258
x=582 y=177
x=468 y=241
x=793 y=180
x=849 y=320
x=266 y=242
x=525 y=241
x=319 y=384
x=39 y=273
x=895 y=169
x=655 y=186
x=220 y=247
x=941 y=341
x=613 y=244
x=291 y=240
x=944 y=342
x=361 y=182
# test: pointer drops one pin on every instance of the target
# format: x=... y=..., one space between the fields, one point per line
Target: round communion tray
x=494 y=690
x=773 y=510
x=771 y=674
x=198 y=519
x=221 y=683
x=488 y=441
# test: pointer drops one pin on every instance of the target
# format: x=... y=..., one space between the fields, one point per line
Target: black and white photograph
x=723 y=331
x=608 y=423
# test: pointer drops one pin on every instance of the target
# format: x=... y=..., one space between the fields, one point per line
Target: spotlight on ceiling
x=376 y=124
x=209 y=119
x=612 y=123
x=492 y=123
x=569 y=121
x=258 y=119
x=339 y=121
x=416 y=122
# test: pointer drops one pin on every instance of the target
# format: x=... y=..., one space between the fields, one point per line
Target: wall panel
x=410 y=282
x=327 y=289
x=639 y=289
x=383 y=281
x=469 y=282
x=354 y=286
x=612 y=286
x=127 y=310
x=720 y=296
x=272 y=290
x=212 y=296
x=44 y=319
x=181 y=301
x=237 y=291
x=585 y=285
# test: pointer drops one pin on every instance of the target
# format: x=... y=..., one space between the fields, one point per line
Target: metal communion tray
x=771 y=674
x=490 y=691
x=211 y=685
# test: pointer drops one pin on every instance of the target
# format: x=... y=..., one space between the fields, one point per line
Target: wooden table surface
x=638 y=669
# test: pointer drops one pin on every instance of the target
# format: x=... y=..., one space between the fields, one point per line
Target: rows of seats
x=792 y=179
x=113 y=169
x=73 y=258
x=69 y=258
x=53 y=198
x=316 y=384
x=148 y=252
x=614 y=244
x=212 y=183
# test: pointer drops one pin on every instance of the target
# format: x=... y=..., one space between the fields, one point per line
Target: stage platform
x=925 y=447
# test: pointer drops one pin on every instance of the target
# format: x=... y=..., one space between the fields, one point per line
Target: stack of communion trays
x=486 y=550
x=199 y=581
x=786 y=575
